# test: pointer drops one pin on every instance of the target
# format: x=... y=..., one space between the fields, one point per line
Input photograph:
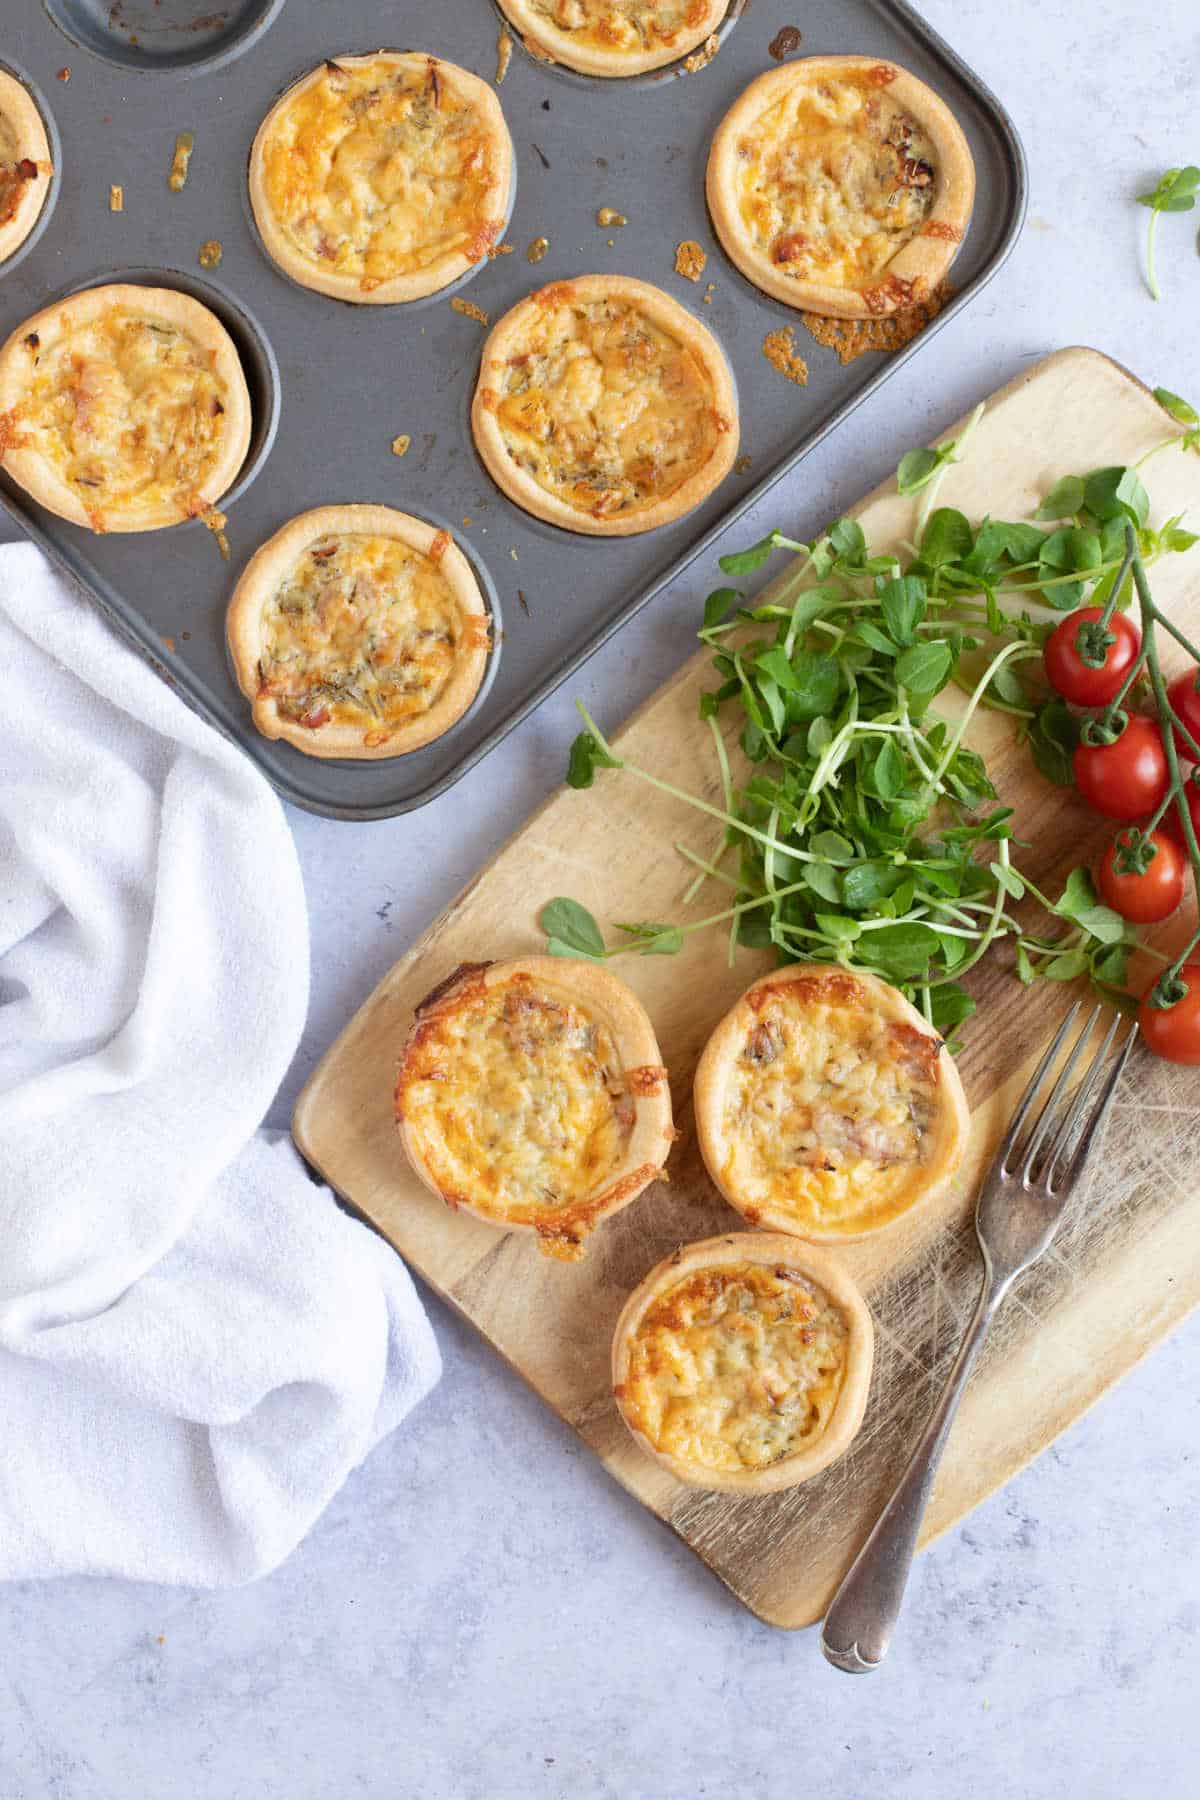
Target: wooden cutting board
x=1126 y=1266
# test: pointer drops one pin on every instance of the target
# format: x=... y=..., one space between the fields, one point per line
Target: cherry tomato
x=1143 y=899
x=1173 y=1032
x=1128 y=778
x=1173 y=821
x=1071 y=677
x=1186 y=702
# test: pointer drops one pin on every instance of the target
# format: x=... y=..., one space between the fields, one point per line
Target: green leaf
x=950 y=1005
x=831 y=847
x=1008 y=879
x=1109 y=492
x=1067 y=966
x=656 y=940
x=903 y=951
x=718 y=604
x=824 y=881
x=1006 y=685
x=1064 y=500
x=837 y=927
x=847 y=539
x=817 y=681
x=917 y=467
x=925 y=669
x=947 y=537
x=866 y=633
x=772 y=700
x=1182 y=411
x=1175 y=191
x=819 y=736
x=587 y=755
x=775 y=665
x=745 y=562
x=865 y=885
x=902 y=602
x=887 y=771
x=1078 y=894
x=1025 y=969
x=571 y=929
x=1053 y=739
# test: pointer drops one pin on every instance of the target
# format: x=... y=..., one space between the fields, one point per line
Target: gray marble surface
x=482 y=1614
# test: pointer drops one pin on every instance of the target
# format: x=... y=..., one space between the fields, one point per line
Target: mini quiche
x=25 y=166
x=532 y=1093
x=358 y=631
x=382 y=178
x=842 y=185
x=123 y=408
x=614 y=37
x=743 y=1363
x=827 y=1106
x=604 y=407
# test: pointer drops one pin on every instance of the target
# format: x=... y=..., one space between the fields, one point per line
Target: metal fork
x=1018 y=1212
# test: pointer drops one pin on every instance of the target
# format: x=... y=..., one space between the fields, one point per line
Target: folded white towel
x=196 y=1345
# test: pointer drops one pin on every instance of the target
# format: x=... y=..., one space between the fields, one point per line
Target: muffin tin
x=333 y=384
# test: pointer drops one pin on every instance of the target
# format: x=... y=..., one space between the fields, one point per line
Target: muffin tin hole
x=52 y=138
x=253 y=347
x=652 y=78
x=164 y=34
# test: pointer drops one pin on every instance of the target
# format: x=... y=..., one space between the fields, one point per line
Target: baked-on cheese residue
x=623 y=26
x=129 y=412
x=604 y=408
x=362 y=631
x=828 y=1105
x=518 y=1100
x=737 y=1367
x=834 y=179
x=15 y=172
x=380 y=170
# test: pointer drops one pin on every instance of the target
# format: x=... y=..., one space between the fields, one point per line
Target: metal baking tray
x=333 y=383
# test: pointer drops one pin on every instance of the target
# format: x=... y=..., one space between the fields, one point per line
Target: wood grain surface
x=1126 y=1266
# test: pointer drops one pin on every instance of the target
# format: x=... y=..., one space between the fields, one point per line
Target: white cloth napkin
x=196 y=1344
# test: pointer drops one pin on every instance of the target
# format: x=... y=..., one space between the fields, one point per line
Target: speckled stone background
x=482 y=1615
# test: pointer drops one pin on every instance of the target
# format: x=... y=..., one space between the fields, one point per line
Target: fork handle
x=859 y=1625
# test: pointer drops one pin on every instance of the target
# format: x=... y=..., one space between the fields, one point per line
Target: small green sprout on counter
x=1175 y=193
x=867 y=831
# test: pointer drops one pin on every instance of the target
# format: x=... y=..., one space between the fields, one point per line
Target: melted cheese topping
x=833 y=179
x=379 y=170
x=623 y=27
x=737 y=1367
x=605 y=409
x=128 y=411
x=15 y=171
x=828 y=1107
x=518 y=1100
x=362 y=631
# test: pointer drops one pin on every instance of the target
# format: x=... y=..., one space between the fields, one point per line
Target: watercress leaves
x=571 y=930
x=1174 y=192
x=587 y=755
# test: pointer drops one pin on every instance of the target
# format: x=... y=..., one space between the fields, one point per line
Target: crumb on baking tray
x=852 y=338
x=703 y=56
x=216 y=522
x=503 y=55
x=400 y=444
x=496 y=250
x=64 y=74
x=608 y=215
x=537 y=249
x=742 y=465
x=690 y=259
x=779 y=348
x=185 y=143
x=469 y=310
x=210 y=253
x=785 y=41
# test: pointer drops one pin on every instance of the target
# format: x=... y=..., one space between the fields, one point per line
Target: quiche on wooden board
x=123 y=408
x=25 y=166
x=827 y=1105
x=382 y=178
x=742 y=1363
x=532 y=1093
x=604 y=406
x=358 y=631
x=614 y=37
x=842 y=185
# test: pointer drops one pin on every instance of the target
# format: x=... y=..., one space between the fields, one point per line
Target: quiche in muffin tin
x=614 y=37
x=123 y=408
x=604 y=406
x=842 y=185
x=743 y=1363
x=382 y=178
x=826 y=1105
x=358 y=631
x=532 y=1093
x=25 y=166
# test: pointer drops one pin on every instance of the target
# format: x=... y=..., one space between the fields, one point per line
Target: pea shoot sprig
x=1175 y=192
x=867 y=831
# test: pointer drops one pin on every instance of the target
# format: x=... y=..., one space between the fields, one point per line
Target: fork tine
x=1046 y=1116
x=1030 y=1094
x=1083 y=1095
x=1101 y=1113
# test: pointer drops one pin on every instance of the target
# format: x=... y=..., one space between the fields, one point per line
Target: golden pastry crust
x=25 y=166
x=605 y=407
x=841 y=185
x=123 y=408
x=614 y=37
x=827 y=1106
x=743 y=1363
x=358 y=631
x=382 y=178
x=532 y=1093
